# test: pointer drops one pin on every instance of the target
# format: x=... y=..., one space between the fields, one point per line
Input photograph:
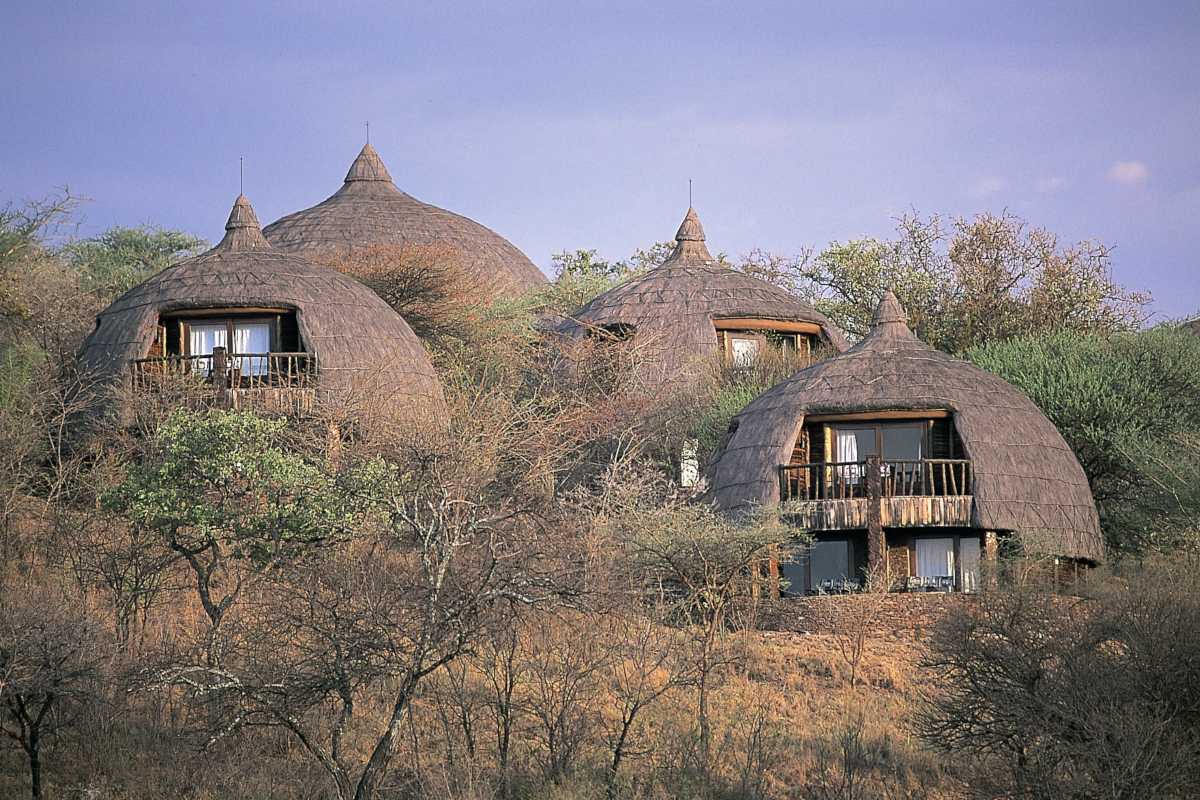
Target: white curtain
x=745 y=351
x=968 y=562
x=201 y=341
x=847 y=450
x=935 y=558
x=252 y=337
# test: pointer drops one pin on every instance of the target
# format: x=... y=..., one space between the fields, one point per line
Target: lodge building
x=907 y=466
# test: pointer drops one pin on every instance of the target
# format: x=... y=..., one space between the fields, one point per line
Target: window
x=251 y=342
x=825 y=565
x=744 y=350
x=744 y=341
x=829 y=560
x=935 y=557
x=968 y=563
x=854 y=444
x=248 y=336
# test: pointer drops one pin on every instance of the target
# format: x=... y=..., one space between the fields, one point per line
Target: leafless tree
x=1093 y=696
x=388 y=611
x=647 y=663
x=50 y=662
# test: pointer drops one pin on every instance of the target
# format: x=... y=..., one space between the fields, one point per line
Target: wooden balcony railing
x=845 y=480
x=222 y=370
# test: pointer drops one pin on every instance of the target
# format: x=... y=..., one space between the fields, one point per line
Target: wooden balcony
x=276 y=382
x=930 y=492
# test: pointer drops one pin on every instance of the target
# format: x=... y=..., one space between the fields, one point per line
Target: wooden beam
x=223 y=312
x=751 y=324
x=873 y=416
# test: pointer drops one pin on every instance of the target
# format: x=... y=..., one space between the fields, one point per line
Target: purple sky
x=565 y=125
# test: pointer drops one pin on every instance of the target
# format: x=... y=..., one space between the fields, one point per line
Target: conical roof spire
x=690 y=230
x=689 y=241
x=242 y=230
x=368 y=166
x=890 y=318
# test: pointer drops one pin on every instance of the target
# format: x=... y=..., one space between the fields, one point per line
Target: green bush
x=1126 y=404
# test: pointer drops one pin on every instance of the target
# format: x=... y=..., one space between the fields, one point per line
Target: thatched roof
x=674 y=306
x=1026 y=478
x=369 y=211
x=361 y=344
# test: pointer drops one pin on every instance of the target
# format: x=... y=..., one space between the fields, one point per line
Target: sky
x=578 y=125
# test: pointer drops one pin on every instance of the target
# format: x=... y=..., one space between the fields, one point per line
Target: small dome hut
x=962 y=455
x=255 y=321
x=693 y=307
x=369 y=211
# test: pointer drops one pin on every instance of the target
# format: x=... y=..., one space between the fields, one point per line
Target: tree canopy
x=1120 y=402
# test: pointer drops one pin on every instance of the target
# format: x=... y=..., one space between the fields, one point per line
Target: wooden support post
x=773 y=573
x=876 y=543
x=220 y=366
x=333 y=445
x=220 y=377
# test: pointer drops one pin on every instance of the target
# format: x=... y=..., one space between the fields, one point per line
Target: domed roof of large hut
x=679 y=302
x=369 y=211
x=360 y=343
x=1026 y=479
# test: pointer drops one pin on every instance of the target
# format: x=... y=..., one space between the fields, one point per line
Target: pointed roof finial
x=890 y=318
x=368 y=166
x=242 y=230
x=241 y=176
x=690 y=230
x=368 y=131
x=689 y=243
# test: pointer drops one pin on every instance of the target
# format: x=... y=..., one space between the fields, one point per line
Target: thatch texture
x=362 y=345
x=1026 y=478
x=369 y=210
x=673 y=308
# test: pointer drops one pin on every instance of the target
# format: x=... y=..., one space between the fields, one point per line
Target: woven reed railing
x=844 y=480
x=222 y=370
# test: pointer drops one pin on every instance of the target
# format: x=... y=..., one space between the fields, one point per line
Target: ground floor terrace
x=908 y=559
x=913 y=560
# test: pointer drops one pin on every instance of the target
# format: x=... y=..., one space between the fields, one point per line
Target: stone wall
x=895 y=612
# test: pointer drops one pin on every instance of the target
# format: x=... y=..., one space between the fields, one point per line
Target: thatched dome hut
x=268 y=312
x=369 y=211
x=1023 y=477
x=693 y=307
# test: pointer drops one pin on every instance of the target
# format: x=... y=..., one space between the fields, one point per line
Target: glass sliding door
x=253 y=338
x=202 y=339
x=935 y=557
x=830 y=563
x=968 y=564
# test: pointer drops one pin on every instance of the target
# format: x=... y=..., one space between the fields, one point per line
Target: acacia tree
x=965 y=282
x=1116 y=400
x=427 y=285
x=691 y=562
x=120 y=258
x=50 y=664
x=1095 y=697
x=387 y=611
x=648 y=663
x=220 y=491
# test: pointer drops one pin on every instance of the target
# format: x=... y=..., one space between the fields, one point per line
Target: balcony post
x=220 y=366
x=876 y=542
